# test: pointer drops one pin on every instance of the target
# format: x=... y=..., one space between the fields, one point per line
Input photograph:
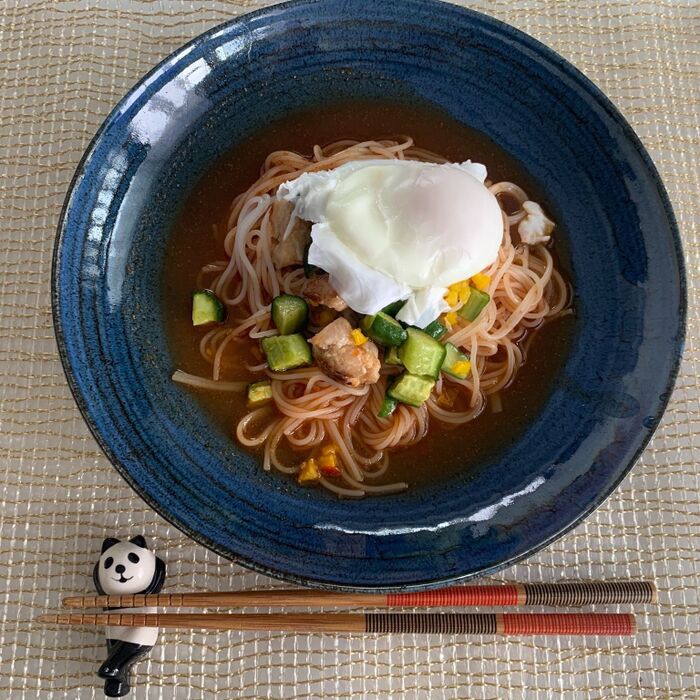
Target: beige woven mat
x=62 y=67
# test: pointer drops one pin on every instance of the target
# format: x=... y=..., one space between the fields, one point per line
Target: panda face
x=126 y=568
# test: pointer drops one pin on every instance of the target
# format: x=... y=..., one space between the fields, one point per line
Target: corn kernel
x=464 y=294
x=451 y=317
x=328 y=449
x=358 y=337
x=308 y=473
x=481 y=281
x=328 y=460
x=462 y=367
x=452 y=297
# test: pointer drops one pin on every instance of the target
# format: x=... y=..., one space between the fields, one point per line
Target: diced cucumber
x=411 y=389
x=393 y=308
x=285 y=352
x=435 y=329
x=456 y=363
x=388 y=406
x=259 y=393
x=422 y=354
x=289 y=313
x=391 y=356
x=383 y=329
x=207 y=308
x=475 y=304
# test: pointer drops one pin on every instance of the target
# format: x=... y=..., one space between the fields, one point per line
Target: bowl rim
x=522 y=38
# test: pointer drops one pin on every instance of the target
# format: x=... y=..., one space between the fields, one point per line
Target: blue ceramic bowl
x=625 y=254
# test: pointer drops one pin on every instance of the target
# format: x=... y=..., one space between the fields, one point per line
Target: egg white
x=389 y=229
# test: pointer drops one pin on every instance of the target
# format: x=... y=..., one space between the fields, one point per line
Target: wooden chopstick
x=609 y=624
x=569 y=594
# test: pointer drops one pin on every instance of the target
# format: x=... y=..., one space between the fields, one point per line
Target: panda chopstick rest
x=126 y=567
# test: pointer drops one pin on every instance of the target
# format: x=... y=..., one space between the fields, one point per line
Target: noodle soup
x=514 y=347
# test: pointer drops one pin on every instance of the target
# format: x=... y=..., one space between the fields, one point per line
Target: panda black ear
x=109 y=542
x=139 y=541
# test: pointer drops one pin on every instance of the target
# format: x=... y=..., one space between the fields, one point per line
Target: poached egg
x=386 y=230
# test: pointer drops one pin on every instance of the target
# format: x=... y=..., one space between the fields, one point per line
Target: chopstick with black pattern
x=557 y=595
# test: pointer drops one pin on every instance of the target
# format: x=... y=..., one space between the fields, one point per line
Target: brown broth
x=193 y=244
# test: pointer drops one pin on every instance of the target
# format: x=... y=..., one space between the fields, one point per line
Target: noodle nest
x=311 y=409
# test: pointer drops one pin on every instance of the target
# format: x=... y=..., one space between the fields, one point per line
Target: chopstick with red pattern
x=558 y=595
x=509 y=624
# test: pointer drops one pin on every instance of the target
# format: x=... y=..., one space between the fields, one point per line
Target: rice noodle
x=204 y=383
x=311 y=409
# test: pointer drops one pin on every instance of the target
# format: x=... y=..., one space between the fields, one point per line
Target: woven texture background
x=62 y=67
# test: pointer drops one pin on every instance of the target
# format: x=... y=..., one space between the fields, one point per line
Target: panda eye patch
x=108 y=562
x=133 y=558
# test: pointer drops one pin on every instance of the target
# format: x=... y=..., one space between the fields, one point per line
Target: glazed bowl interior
x=622 y=250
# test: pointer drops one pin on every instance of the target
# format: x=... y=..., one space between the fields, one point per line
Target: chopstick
x=509 y=624
x=499 y=595
x=568 y=594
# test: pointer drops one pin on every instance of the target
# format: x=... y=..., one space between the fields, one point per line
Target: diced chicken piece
x=318 y=290
x=535 y=227
x=288 y=249
x=337 y=354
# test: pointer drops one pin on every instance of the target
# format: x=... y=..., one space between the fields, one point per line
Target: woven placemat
x=62 y=67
